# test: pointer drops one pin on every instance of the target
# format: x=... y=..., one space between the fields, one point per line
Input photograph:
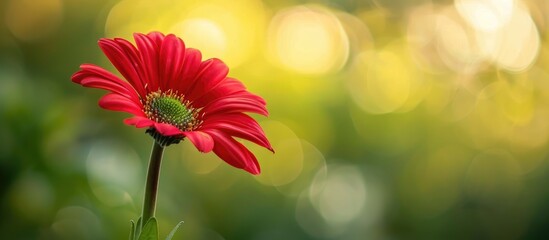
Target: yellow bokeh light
x=308 y=40
x=485 y=15
x=472 y=33
x=508 y=111
x=358 y=33
x=130 y=16
x=226 y=30
x=535 y=134
x=518 y=40
x=455 y=43
x=313 y=162
x=437 y=100
x=287 y=164
x=517 y=101
x=532 y=132
x=461 y=103
x=421 y=25
x=421 y=37
x=376 y=87
x=240 y=23
x=203 y=34
x=31 y=20
x=502 y=32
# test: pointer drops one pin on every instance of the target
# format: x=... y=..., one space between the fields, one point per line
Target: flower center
x=169 y=107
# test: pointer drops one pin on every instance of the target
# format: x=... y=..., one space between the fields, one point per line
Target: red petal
x=189 y=70
x=172 y=54
x=97 y=77
x=125 y=59
x=156 y=36
x=117 y=102
x=227 y=87
x=167 y=129
x=133 y=54
x=233 y=152
x=203 y=141
x=212 y=72
x=235 y=104
x=101 y=83
x=139 y=122
x=239 y=125
x=148 y=49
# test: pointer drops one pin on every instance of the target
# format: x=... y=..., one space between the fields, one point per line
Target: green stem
x=151 y=188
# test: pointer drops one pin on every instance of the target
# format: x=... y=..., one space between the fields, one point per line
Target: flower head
x=175 y=95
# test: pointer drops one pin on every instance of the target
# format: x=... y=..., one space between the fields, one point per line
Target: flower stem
x=151 y=188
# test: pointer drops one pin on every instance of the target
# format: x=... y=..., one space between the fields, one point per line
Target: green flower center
x=171 y=110
x=169 y=107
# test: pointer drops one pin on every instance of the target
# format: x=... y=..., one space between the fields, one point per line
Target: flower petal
x=148 y=49
x=201 y=140
x=212 y=72
x=156 y=36
x=172 y=54
x=139 y=122
x=189 y=70
x=235 y=104
x=96 y=77
x=117 y=102
x=167 y=129
x=125 y=59
x=233 y=152
x=239 y=125
x=227 y=87
x=133 y=54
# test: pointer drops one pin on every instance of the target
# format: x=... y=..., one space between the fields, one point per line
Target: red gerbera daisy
x=176 y=95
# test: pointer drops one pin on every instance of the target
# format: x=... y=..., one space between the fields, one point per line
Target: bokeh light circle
x=455 y=44
x=203 y=34
x=313 y=164
x=485 y=15
x=377 y=88
x=517 y=43
x=341 y=196
x=114 y=172
x=287 y=164
x=308 y=40
x=226 y=30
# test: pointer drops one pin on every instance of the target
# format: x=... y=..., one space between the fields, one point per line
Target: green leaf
x=170 y=236
x=132 y=230
x=149 y=231
x=137 y=229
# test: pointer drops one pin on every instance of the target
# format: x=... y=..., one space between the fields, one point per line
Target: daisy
x=176 y=95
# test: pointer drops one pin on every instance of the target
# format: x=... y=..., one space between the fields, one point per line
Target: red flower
x=175 y=94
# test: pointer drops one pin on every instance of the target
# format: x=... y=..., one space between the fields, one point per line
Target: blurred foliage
x=392 y=119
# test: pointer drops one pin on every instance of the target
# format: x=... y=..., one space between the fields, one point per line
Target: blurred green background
x=392 y=119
